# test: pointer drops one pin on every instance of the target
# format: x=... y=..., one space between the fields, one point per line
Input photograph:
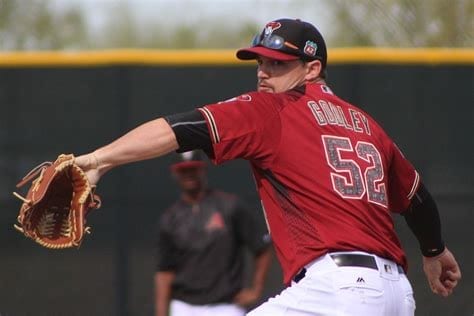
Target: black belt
x=351 y=260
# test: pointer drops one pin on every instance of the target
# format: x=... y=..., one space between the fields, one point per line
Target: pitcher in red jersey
x=328 y=175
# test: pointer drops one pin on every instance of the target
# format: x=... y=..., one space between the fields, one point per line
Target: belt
x=355 y=260
x=350 y=260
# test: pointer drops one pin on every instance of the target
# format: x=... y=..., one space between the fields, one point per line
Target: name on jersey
x=327 y=113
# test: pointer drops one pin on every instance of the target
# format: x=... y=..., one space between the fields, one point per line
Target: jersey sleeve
x=245 y=127
x=251 y=231
x=191 y=131
x=404 y=181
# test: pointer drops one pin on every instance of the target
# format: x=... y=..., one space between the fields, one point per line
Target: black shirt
x=202 y=244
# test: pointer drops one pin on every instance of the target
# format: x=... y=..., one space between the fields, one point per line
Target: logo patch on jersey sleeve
x=326 y=89
x=243 y=97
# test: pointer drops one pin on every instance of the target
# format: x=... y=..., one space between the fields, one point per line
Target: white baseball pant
x=329 y=289
x=180 y=308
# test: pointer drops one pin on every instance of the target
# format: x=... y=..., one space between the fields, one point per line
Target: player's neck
x=193 y=197
x=318 y=80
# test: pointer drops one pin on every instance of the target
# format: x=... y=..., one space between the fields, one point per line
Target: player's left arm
x=408 y=193
x=440 y=267
x=237 y=128
x=150 y=140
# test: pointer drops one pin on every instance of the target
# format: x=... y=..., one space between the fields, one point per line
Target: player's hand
x=442 y=272
x=247 y=297
x=90 y=165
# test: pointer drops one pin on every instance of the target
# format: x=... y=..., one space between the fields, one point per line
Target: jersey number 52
x=348 y=179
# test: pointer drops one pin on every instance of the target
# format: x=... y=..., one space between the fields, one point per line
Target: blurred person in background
x=201 y=238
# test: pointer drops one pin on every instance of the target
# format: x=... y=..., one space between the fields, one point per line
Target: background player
x=328 y=175
x=200 y=259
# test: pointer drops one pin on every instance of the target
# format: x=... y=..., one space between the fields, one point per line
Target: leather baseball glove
x=54 y=210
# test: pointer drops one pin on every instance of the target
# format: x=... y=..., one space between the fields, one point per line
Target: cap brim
x=187 y=165
x=254 y=52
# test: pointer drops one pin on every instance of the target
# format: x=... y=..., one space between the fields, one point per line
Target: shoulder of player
x=256 y=100
x=373 y=122
x=381 y=136
x=282 y=99
x=223 y=196
x=170 y=213
x=279 y=100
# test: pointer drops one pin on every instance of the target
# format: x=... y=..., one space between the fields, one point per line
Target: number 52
x=348 y=180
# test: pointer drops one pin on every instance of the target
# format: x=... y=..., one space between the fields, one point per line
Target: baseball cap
x=287 y=39
x=188 y=159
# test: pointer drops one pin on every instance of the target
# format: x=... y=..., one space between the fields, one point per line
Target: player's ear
x=313 y=70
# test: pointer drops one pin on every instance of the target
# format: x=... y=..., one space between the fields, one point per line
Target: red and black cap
x=287 y=39
x=188 y=159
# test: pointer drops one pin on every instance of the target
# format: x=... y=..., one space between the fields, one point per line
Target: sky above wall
x=193 y=12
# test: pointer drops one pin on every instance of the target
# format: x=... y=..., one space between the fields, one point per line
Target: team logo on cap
x=270 y=27
x=310 y=48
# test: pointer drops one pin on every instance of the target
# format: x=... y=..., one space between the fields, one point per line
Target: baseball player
x=199 y=255
x=328 y=175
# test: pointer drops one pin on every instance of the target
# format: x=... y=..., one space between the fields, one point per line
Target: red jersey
x=326 y=172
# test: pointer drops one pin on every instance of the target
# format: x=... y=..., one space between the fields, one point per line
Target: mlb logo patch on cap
x=310 y=48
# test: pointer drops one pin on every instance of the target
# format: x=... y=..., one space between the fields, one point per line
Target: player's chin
x=261 y=88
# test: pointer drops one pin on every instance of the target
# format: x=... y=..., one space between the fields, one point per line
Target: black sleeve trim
x=423 y=219
x=191 y=131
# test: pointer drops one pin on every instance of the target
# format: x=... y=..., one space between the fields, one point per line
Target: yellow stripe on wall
x=402 y=56
x=227 y=57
